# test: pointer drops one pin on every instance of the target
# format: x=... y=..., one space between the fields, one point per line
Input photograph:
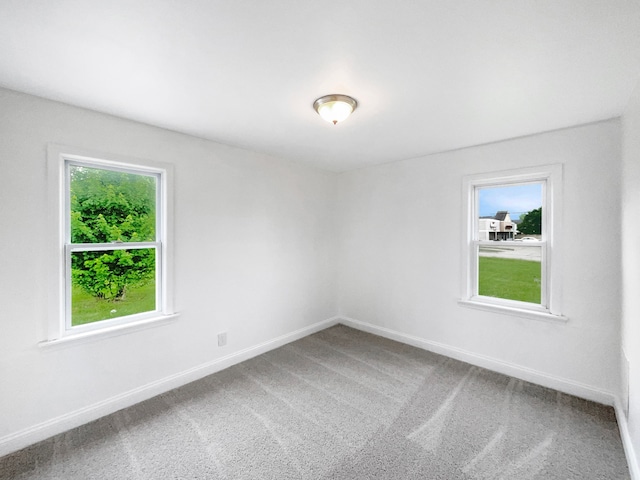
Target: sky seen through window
x=515 y=199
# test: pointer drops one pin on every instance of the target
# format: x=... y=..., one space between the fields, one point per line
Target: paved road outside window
x=512 y=250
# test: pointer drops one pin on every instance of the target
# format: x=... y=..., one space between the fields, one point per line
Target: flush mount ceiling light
x=335 y=108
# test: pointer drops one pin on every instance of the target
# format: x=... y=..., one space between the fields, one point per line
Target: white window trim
x=57 y=331
x=551 y=308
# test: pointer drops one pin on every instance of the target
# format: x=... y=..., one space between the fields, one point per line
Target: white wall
x=259 y=243
x=631 y=268
x=253 y=255
x=400 y=248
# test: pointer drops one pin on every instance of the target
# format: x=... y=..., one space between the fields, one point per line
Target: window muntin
x=112 y=244
x=489 y=252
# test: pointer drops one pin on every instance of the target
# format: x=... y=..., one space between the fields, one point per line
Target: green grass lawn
x=86 y=308
x=510 y=278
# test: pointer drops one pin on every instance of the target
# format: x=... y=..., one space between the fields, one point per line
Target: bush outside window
x=113 y=243
x=112 y=264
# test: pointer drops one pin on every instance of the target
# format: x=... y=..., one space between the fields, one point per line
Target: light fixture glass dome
x=335 y=108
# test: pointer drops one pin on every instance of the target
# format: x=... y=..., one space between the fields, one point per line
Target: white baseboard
x=23 y=438
x=623 y=425
x=523 y=373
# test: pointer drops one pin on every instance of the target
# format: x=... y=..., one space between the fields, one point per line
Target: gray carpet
x=340 y=404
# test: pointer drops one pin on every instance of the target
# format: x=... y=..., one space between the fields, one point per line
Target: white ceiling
x=429 y=75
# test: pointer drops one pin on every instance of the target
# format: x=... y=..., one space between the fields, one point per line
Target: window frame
x=550 y=176
x=59 y=159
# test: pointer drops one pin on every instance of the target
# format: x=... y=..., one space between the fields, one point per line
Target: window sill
x=109 y=332
x=520 y=312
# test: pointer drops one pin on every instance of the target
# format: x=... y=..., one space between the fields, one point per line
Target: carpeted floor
x=340 y=404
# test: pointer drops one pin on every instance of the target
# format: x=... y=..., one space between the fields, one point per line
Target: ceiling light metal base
x=335 y=108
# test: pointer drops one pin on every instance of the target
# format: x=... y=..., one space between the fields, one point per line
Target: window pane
x=510 y=271
x=510 y=212
x=109 y=206
x=112 y=283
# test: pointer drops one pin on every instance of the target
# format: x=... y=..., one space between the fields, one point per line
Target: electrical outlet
x=222 y=339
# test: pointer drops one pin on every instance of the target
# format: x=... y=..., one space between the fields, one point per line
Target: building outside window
x=497 y=227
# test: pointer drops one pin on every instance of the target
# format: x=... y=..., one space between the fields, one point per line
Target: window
x=113 y=248
x=512 y=240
